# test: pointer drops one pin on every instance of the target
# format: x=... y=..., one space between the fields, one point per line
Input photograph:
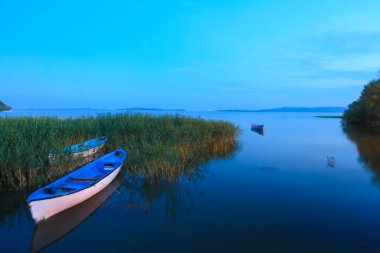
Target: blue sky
x=187 y=54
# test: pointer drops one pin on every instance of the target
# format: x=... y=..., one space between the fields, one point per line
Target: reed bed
x=158 y=147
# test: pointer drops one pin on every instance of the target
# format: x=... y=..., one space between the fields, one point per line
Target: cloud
x=365 y=62
x=341 y=55
x=327 y=82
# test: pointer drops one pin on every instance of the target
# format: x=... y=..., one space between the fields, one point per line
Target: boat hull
x=257 y=127
x=76 y=151
x=58 y=226
x=45 y=208
x=259 y=131
x=87 y=152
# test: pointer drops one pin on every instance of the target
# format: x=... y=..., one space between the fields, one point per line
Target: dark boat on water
x=257 y=128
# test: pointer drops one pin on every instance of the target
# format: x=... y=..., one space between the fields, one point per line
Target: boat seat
x=82 y=179
x=58 y=190
x=105 y=166
x=109 y=166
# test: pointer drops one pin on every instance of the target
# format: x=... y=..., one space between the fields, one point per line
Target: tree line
x=365 y=111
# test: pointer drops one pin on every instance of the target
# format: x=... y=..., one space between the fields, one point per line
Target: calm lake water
x=303 y=186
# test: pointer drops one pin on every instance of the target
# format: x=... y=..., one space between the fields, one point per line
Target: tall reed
x=158 y=146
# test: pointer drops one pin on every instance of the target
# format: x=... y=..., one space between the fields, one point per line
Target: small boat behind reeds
x=80 y=150
x=75 y=187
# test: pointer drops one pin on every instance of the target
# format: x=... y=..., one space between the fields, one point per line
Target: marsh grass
x=157 y=146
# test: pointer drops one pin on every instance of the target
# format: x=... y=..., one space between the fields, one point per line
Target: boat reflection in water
x=258 y=130
x=63 y=223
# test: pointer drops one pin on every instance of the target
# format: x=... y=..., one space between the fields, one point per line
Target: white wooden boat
x=80 y=150
x=58 y=226
x=76 y=187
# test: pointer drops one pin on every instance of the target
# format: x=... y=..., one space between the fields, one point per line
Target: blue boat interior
x=81 y=178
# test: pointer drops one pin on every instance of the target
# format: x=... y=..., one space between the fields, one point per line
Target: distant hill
x=148 y=109
x=294 y=109
x=4 y=107
x=61 y=109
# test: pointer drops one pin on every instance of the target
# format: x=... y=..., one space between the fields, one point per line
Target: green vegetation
x=366 y=110
x=158 y=147
x=4 y=107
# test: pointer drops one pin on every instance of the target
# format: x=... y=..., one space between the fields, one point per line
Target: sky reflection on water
x=276 y=194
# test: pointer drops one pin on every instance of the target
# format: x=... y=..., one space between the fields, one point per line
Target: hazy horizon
x=333 y=108
x=193 y=55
